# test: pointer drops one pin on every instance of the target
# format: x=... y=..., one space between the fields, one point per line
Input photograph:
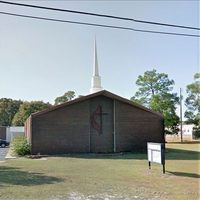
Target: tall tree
x=150 y=84
x=26 y=109
x=192 y=103
x=69 y=95
x=166 y=105
x=155 y=92
x=8 y=109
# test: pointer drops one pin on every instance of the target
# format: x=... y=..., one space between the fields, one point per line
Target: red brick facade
x=99 y=123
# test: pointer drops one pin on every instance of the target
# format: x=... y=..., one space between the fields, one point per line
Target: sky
x=41 y=60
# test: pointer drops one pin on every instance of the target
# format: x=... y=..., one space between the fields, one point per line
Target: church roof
x=100 y=93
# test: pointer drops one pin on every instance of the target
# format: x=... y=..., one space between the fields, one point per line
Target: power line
x=101 y=15
x=97 y=25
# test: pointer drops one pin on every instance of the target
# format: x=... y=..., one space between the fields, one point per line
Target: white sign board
x=155 y=152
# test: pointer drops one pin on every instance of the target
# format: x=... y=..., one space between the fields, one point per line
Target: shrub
x=196 y=132
x=20 y=146
x=168 y=132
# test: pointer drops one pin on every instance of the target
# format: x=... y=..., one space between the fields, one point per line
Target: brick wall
x=28 y=129
x=62 y=131
x=135 y=127
x=3 y=132
x=70 y=128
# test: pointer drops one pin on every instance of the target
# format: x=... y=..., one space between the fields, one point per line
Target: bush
x=196 y=132
x=20 y=146
x=168 y=132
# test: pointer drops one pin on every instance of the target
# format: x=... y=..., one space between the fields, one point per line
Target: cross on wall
x=98 y=113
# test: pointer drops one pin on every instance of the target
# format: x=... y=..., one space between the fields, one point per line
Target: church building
x=101 y=122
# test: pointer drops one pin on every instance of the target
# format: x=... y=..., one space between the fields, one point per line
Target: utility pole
x=181 y=122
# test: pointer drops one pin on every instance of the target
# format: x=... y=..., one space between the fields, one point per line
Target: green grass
x=121 y=176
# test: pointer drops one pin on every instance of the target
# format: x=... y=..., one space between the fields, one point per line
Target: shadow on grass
x=185 y=142
x=171 y=154
x=14 y=176
x=191 y=175
x=115 y=156
x=180 y=154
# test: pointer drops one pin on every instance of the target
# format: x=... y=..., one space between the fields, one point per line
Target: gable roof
x=100 y=93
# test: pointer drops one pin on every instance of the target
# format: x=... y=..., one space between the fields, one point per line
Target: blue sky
x=41 y=60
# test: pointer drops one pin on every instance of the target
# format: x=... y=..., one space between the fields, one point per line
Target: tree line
x=154 y=90
x=16 y=112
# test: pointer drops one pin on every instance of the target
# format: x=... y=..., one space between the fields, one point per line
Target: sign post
x=156 y=154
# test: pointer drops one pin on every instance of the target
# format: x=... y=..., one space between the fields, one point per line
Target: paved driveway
x=3 y=152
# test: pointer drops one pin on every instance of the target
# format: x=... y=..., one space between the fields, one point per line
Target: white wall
x=187 y=133
x=13 y=131
x=187 y=129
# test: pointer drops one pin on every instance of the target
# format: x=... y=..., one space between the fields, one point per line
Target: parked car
x=3 y=143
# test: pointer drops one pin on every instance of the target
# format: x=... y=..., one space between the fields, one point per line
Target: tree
x=66 y=97
x=8 y=109
x=166 y=105
x=192 y=102
x=26 y=109
x=150 y=84
x=155 y=92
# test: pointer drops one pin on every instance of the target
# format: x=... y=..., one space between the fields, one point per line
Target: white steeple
x=96 y=79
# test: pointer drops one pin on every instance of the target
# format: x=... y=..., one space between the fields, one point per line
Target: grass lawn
x=104 y=176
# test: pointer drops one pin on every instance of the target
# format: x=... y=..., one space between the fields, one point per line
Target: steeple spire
x=96 y=79
x=95 y=64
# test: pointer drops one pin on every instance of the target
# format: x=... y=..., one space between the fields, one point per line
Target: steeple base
x=96 y=84
x=94 y=90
